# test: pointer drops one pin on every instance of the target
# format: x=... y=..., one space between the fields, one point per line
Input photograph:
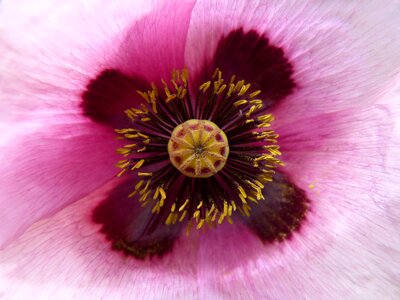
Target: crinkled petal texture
x=51 y=154
x=337 y=147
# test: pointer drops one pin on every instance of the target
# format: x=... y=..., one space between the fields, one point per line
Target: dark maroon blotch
x=108 y=95
x=175 y=146
x=178 y=159
x=190 y=170
x=250 y=56
x=281 y=213
x=205 y=170
x=133 y=229
x=181 y=133
x=217 y=163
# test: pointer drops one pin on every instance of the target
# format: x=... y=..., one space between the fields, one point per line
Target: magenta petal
x=348 y=247
x=53 y=64
x=51 y=155
x=45 y=167
x=66 y=257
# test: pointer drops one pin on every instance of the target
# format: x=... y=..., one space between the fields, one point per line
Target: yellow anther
x=163 y=194
x=182 y=216
x=146 y=187
x=255 y=94
x=205 y=86
x=139 y=184
x=132 y=194
x=240 y=102
x=221 y=218
x=231 y=89
x=251 y=110
x=141 y=149
x=225 y=208
x=246 y=209
x=156 y=208
x=121 y=173
x=144 y=95
x=242 y=191
x=221 y=89
x=244 y=89
x=182 y=94
x=123 y=164
x=242 y=198
x=145 y=174
x=145 y=196
x=138 y=164
x=168 y=221
x=156 y=193
x=200 y=224
x=183 y=205
x=211 y=209
x=256 y=102
x=239 y=85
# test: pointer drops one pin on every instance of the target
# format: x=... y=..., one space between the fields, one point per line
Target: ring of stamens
x=198 y=148
x=191 y=196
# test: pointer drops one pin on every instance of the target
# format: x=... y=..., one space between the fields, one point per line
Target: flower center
x=198 y=148
x=178 y=150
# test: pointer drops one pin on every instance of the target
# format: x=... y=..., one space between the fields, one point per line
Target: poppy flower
x=256 y=144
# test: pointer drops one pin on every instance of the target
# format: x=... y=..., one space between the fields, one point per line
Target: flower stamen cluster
x=199 y=157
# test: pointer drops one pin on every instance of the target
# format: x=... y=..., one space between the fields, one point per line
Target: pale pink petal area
x=47 y=165
x=51 y=154
x=344 y=53
x=348 y=246
x=52 y=49
x=65 y=257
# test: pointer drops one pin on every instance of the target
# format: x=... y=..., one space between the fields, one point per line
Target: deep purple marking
x=205 y=170
x=133 y=229
x=281 y=213
x=218 y=162
x=108 y=95
x=251 y=57
x=178 y=159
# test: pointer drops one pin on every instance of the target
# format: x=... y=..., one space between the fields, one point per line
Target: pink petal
x=51 y=154
x=51 y=65
x=343 y=53
x=65 y=257
x=348 y=247
x=70 y=43
x=48 y=165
